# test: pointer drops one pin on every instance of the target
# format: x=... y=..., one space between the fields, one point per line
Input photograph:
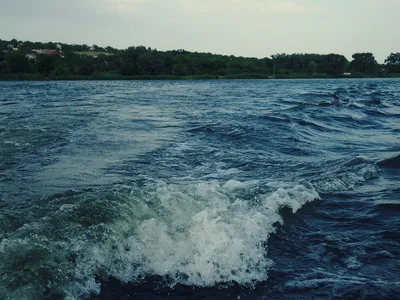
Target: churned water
x=200 y=189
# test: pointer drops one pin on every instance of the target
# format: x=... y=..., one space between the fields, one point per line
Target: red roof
x=48 y=51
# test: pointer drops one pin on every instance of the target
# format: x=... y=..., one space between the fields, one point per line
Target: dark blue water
x=200 y=189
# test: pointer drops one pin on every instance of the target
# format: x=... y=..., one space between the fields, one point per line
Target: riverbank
x=104 y=76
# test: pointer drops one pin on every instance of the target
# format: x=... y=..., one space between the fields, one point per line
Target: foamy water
x=221 y=188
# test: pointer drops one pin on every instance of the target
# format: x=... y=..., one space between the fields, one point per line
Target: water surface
x=200 y=189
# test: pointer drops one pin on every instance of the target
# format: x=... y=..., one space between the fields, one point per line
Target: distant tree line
x=17 y=57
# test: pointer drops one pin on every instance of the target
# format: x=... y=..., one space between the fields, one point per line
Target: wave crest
x=198 y=234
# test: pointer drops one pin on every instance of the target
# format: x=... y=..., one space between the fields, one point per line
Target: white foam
x=198 y=235
x=233 y=185
x=347 y=180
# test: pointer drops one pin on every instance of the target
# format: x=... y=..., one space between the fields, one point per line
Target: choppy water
x=200 y=189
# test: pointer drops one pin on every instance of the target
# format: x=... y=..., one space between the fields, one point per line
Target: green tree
x=312 y=67
x=333 y=64
x=168 y=62
x=18 y=63
x=14 y=42
x=363 y=63
x=2 y=61
x=110 y=49
x=393 y=62
x=3 y=45
x=180 y=70
x=281 y=61
x=45 y=64
x=149 y=64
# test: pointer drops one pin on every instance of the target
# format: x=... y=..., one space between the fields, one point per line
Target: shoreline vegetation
x=56 y=61
x=105 y=77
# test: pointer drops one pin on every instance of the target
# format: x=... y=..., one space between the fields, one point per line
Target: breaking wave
x=201 y=234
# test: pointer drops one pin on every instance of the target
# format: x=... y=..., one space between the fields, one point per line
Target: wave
x=198 y=234
x=392 y=162
x=344 y=174
x=353 y=97
x=346 y=287
x=206 y=230
x=387 y=208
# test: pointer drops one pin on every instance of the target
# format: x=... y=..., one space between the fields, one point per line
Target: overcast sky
x=256 y=28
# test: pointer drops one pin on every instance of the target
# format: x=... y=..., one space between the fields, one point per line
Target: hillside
x=35 y=60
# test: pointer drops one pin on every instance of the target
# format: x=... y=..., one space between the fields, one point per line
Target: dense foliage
x=17 y=57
